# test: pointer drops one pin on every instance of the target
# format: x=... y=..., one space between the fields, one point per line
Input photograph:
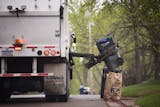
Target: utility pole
x=90 y=73
x=90 y=37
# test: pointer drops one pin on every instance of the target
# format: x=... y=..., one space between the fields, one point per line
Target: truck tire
x=4 y=95
x=56 y=98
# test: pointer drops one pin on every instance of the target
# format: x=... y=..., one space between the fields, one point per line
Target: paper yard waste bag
x=113 y=86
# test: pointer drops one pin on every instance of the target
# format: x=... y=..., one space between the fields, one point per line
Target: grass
x=142 y=89
x=149 y=101
x=148 y=93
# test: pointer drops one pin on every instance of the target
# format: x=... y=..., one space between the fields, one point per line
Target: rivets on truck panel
x=36 y=6
x=49 y=6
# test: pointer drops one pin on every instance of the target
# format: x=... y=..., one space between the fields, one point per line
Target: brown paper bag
x=113 y=86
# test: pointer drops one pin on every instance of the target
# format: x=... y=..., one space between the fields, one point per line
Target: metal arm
x=93 y=59
x=108 y=53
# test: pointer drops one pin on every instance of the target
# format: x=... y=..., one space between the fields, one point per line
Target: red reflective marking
x=49 y=46
x=11 y=47
x=32 y=47
x=25 y=74
x=42 y=74
x=7 y=75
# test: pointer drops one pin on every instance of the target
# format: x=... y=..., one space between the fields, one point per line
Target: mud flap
x=55 y=86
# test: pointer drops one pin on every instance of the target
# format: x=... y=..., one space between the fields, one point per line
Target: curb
x=124 y=102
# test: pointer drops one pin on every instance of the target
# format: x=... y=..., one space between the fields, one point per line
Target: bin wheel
x=103 y=82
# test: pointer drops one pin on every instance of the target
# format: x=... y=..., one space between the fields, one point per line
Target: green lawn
x=148 y=93
x=149 y=101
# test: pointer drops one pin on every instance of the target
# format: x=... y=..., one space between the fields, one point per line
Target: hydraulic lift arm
x=93 y=59
x=108 y=53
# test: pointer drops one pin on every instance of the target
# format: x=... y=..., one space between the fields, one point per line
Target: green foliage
x=74 y=89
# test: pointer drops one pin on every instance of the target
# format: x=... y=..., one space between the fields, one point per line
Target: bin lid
x=106 y=39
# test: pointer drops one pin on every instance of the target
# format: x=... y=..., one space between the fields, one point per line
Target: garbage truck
x=34 y=48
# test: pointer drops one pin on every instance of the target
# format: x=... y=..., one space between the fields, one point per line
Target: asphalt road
x=38 y=101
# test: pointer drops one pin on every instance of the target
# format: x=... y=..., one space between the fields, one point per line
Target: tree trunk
x=79 y=77
x=137 y=61
x=137 y=54
x=96 y=79
x=156 y=56
x=85 y=76
x=143 y=65
x=135 y=37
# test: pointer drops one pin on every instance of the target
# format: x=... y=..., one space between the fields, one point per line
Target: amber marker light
x=46 y=52
x=19 y=41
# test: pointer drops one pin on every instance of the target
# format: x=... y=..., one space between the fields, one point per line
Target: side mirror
x=61 y=12
x=73 y=35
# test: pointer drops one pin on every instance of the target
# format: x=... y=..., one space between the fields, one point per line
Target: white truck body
x=44 y=53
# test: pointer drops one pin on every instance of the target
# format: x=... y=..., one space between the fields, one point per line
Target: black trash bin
x=109 y=50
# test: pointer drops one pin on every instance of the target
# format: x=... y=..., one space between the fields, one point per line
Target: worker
x=73 y=42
